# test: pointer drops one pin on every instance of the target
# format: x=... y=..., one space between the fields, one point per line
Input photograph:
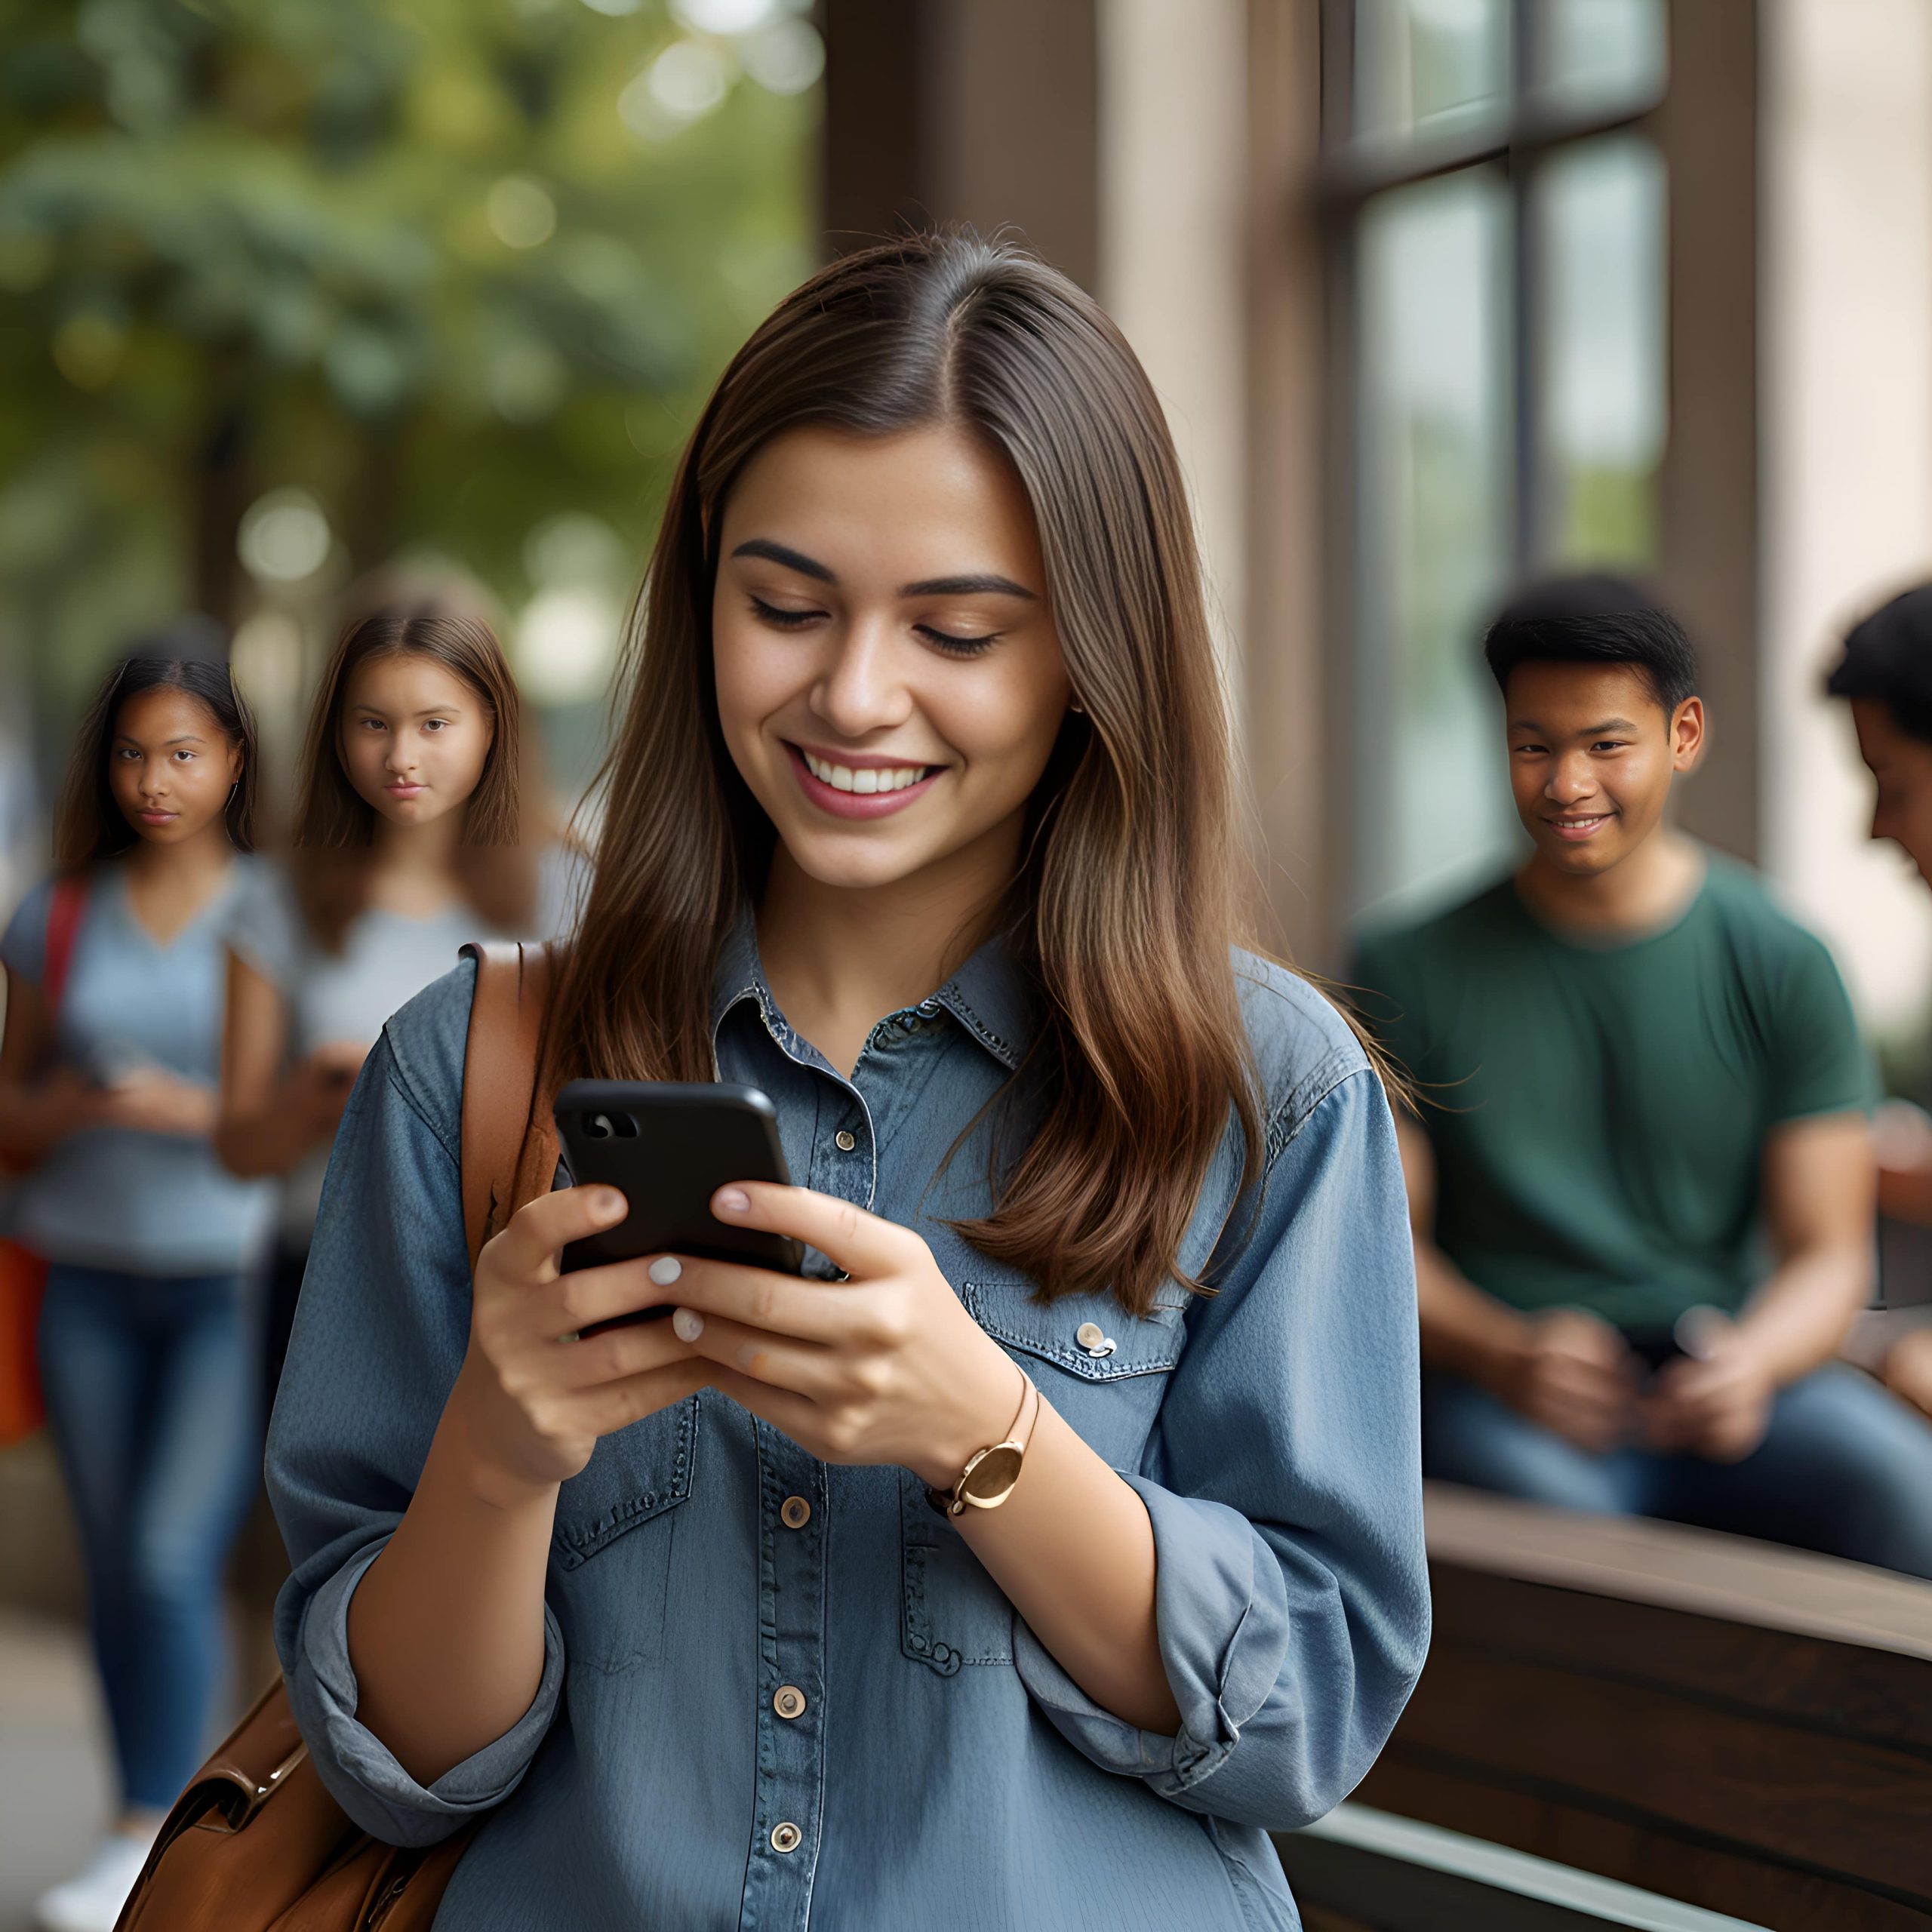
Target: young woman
x=919 y=819
x=407 y=846
x=145 y=1345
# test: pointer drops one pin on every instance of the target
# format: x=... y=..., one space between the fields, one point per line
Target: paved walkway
x=54 y=1775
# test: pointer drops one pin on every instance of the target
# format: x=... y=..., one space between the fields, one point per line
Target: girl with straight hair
x=920 y=817
x=408 y=843
x=107 y=1096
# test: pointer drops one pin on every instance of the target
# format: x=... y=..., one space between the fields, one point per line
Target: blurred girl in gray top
x=407 y=846
x=109 y=1100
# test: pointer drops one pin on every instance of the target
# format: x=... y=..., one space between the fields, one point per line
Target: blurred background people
x=1886 y=674
x=1629 y=1061
x=146 y=1352
x=413 y=835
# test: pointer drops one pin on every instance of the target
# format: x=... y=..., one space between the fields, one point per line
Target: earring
x=1079 y=710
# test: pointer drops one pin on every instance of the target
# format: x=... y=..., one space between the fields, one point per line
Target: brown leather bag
x=256 y=1844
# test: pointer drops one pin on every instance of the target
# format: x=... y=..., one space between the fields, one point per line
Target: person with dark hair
x=413 y=836
x=1639 y=1165
x=1885 y=674
x=920 y=818
x=107 y=1097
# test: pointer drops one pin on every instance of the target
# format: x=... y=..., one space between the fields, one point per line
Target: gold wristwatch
x=990 y=1473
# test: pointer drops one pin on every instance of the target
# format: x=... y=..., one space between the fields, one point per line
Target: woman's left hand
x=885 y=1366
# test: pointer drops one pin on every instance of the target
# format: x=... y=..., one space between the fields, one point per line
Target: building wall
x=1846 y=433
x=1173 y=243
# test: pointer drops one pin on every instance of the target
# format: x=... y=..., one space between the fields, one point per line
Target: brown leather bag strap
x=500 y=1081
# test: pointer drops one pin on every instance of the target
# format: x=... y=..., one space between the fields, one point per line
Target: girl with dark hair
x=108 y=1100
x=407 y=844
x=920 y=817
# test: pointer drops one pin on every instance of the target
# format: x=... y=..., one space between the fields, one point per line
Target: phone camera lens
x=596 y=1126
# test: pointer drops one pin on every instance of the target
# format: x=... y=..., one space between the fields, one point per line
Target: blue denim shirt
x=944 y=1772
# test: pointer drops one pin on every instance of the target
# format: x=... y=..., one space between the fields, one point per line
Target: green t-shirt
x=1598 y=1112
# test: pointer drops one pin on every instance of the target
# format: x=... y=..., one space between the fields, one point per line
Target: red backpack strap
x=499 y=1087
x=64 y=913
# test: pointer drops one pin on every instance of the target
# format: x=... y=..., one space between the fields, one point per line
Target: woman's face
x=889 y=679
x=170 y=765
x=415 y=736
x=1901 y=768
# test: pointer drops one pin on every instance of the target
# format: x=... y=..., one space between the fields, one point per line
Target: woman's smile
x=856 y=785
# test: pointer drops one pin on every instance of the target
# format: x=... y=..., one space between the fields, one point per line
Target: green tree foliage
x=449 y=265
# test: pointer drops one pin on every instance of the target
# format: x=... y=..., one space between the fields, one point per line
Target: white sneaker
x=92 y=1901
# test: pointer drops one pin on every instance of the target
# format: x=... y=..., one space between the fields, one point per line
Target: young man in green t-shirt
x=1640 y=1170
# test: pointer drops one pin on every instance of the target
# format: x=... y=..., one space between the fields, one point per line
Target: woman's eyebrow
x=792 y=560
x=982 y=583
x=977 y=583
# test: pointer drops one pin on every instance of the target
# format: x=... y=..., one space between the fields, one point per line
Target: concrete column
x=1173 y=241
x=1846 y=433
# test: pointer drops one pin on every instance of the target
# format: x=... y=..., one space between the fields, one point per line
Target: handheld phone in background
x=667 y=1148
x=1658 y=1346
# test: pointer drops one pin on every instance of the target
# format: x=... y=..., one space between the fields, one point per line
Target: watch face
x=993 y=1475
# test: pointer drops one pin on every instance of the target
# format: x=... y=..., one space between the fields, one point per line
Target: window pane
x=1432 y=803
x=1430 y=66
x=1599 y=212
x=1600 y=53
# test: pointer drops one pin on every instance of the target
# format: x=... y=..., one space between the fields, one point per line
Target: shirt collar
x=989 y=995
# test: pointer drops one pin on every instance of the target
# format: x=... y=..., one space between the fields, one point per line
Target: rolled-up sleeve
x=1283 y=1484
x=379 y=1335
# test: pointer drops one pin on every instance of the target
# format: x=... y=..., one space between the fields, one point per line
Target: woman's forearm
x=35 y=1118
x=268 y=1140
x=1073 y=1550
x=446 y=1628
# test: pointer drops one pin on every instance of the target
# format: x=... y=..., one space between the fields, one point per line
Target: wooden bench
x=1740 y=1726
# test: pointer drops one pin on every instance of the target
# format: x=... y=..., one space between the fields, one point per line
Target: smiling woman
x=1070 y=1497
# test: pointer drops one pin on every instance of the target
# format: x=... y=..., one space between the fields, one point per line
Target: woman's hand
x=151 y=1100
x=66 y=1102
x=319 y=1084
x=531 y=1399
x=886 y=1367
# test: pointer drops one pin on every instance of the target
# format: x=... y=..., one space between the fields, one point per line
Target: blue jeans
x=151 y=1396
x=1845 y=1468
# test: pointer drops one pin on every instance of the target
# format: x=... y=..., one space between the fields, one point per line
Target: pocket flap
x=635 y=1474
x=1090 y=1335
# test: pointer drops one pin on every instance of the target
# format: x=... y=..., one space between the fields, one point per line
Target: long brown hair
x=90 y=827
x=1127 y=902
x=335 y=826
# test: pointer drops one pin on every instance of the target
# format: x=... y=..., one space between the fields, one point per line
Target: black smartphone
x=667 y=1148
x=1655 y=1345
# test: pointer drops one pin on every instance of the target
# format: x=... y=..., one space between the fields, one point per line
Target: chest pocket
x=611 y=1548
x=1104 y=1372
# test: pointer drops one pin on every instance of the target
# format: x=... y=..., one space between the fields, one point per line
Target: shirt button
x=786 y=1838
x=795 y=1513
x=1092 y=1338
x=844 y=1140
x=790 y=1702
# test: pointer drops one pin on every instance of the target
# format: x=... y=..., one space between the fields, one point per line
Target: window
x=1496 y=213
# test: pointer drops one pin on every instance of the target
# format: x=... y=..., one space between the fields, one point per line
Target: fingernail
x=687 y=1324
x=609 y=1200
x=734 y=1200
x=664 y=1270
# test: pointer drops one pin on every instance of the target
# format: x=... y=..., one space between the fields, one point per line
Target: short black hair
x=1889 y=657
x=1594 y=618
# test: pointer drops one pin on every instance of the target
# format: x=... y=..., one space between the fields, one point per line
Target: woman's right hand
x=532 y=1399
x=320 y=1083
x=68 y=1103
